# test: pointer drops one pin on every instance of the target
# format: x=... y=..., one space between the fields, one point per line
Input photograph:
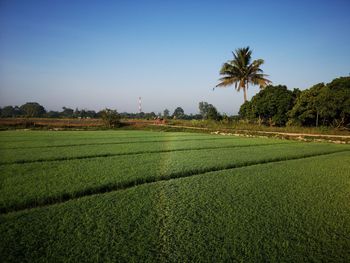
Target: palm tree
x=241 y=71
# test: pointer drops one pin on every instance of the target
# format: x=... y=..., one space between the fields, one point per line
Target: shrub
x=110 y=118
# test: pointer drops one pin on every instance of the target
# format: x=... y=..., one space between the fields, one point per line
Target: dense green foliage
x=288 y=210
x=326 y=105
x=32 y=109
x=270 y=106
x=110 y=118
x=166 y=113
x=323 y=104
x=179 y=113
x=10 y=111
x=208 y=111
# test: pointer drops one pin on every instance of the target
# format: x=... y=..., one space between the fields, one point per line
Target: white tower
x=140 y=108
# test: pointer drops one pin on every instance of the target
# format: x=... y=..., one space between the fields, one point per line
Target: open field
x=126 y=196
x=50 y=122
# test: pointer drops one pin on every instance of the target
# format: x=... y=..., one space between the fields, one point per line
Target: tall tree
x=166 y=113
x=203 y=109
x=323 y=105
x=269 y=106
x=67 y=112
x=32 y=109
x=241 y=71
x=8 y=111
x=111 y=118
x=179 y=113
x=208 y=111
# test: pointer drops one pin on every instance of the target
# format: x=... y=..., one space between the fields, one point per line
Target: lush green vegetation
x=64 y=148
x=61 y=173
x=111 y=118
x=270 y=106
x=34 y=109
x=321 y=105
x=324 y=104
x=288 y=210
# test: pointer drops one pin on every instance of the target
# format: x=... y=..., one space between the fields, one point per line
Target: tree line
x=320 y=105
x=36 y=110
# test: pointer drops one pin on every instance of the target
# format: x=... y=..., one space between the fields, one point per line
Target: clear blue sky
x=96 y=54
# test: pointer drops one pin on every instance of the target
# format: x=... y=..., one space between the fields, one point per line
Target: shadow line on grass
x=120 y=137
x=67 y=158
x=38 y=203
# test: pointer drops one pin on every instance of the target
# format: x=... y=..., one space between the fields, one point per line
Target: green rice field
x=143 y=196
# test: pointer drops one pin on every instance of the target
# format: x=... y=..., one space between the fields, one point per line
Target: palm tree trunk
x=245 y=92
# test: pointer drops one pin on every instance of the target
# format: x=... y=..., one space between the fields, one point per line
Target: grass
x=154 y=196
x=32 y=184
x=87 y=148
x=292 y=211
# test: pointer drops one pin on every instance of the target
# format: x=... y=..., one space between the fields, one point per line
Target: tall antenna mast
x=140 y=108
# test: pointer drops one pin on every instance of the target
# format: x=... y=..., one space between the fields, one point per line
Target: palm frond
x=241 y=70
x=226 y=81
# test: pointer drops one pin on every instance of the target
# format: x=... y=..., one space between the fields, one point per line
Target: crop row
x=33 y=184
x=42 y=138
x=119 y=140
x=288 y=211
x=9 y=135
x=24 y=155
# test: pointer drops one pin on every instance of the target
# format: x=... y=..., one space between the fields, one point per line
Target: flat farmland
x=121 y=196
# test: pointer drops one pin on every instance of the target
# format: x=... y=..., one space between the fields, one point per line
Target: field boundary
x=106 y=155
x=335 y=138
x=38 y=203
